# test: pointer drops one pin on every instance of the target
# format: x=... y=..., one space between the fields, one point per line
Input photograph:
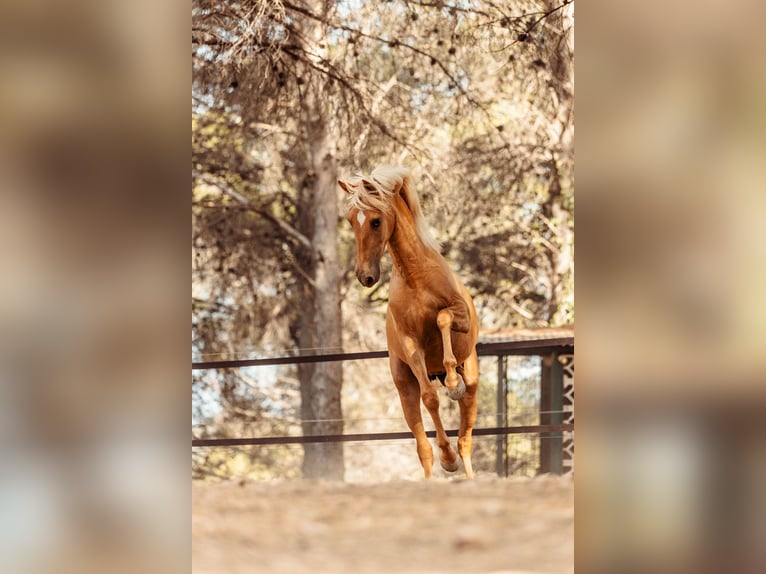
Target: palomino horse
x=431 y=325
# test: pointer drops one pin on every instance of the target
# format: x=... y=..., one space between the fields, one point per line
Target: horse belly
x=462 y=345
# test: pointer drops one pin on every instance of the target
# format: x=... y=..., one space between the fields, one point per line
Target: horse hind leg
x=430 y=398
x=453 y=381
x=448 y=457
x=409 y=395
x=468 y=408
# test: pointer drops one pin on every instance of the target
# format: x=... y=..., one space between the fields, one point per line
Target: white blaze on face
x=361 y=217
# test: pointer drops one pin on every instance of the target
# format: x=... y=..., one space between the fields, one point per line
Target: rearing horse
x=431 y=324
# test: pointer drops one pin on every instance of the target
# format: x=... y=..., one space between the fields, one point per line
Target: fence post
x=551 y=404
x=501 y=441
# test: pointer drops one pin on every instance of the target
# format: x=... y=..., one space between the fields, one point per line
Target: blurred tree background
x=476 y=97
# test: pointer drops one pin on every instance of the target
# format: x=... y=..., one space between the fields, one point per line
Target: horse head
x=373 y=224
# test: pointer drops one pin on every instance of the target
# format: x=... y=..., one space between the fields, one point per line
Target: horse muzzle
x=368 y=277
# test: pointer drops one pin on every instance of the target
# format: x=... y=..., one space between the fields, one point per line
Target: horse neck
x=407 y=249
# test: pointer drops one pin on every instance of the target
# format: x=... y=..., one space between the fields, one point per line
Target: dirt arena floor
x=489 y=525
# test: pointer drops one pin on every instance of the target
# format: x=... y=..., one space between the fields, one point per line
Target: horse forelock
x=367 y=200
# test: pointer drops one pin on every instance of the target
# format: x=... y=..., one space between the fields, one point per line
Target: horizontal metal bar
x=527 y=347
x=328 y=358
x=272 y=440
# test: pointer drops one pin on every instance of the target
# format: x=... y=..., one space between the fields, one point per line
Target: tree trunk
x=562 y=70
x=321 y=319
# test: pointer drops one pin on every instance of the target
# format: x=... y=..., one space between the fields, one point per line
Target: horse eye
x=375 y=223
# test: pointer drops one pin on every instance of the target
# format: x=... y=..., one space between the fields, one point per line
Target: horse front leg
x=430 y=398
x=409 y=395
x=447 y=320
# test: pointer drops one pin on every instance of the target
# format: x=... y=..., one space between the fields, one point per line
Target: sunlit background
x=94 y=347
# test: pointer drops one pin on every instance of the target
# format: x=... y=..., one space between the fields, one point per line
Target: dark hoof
x=450 y=467
x=458 y=392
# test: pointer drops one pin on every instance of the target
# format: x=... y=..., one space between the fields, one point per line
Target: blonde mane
x=378 y=191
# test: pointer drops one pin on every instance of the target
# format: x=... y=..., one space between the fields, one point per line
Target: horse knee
x=444 y=319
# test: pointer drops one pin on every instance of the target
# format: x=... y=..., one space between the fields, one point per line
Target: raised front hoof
x=458 y=391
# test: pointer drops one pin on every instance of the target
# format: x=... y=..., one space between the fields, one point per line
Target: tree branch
x=242 y=200
x=388 y=42
x=332 y=72
x=534 y=24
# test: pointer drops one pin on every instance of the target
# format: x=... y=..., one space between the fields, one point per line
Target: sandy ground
x=488 y=525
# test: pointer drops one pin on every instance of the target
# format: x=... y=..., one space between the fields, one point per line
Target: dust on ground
x=488 y=525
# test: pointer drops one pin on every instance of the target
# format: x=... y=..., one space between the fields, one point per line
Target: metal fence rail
x=501 y=349
x=272 y=440
x=491 y=349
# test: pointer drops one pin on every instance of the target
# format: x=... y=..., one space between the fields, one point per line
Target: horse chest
x=416 y=311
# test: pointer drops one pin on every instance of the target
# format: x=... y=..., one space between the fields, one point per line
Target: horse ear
x=344 y=186
x=369 y=186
